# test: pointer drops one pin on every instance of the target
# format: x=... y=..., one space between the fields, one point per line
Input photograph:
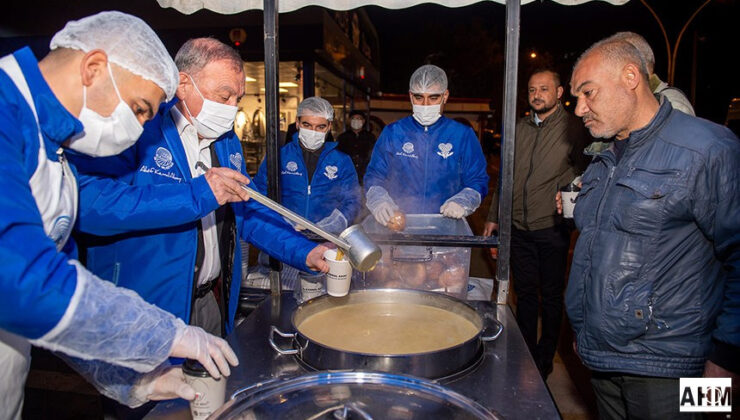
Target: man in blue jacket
x=426 y=163
x=103 y=78
x=654 y=289
x=189 y=268
x=317 y=181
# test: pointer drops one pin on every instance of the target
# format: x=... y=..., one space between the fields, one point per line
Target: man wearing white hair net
x=105 y=76
x=426 y=163
x=317 y=181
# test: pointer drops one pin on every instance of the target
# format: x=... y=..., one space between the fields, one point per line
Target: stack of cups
x=210 y=393
x=339 y=276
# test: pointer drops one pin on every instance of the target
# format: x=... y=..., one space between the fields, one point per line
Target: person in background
x=426 y=163
x=191 y=268
x=548 y=155
x=654 y=288
x=317 y=181
x=357 y=142
x=104 y=77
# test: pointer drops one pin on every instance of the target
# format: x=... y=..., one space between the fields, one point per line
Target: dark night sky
x=469 y=42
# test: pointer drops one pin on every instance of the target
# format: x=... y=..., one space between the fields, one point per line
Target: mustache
x=588 y=117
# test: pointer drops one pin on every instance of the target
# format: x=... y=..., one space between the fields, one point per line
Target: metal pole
x=506 y=177
x=272 y=113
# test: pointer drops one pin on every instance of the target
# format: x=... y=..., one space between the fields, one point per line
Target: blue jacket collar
x=638 y=137
x=429 y=128
x=56 y=123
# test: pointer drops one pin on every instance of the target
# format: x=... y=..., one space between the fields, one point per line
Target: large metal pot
x=431 y=364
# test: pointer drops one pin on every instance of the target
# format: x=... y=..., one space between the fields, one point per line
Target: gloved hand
x=194 y=343
x=334 y=222
x=162 y=384
x=453 y=210
x=384 y=211
x=380 y=204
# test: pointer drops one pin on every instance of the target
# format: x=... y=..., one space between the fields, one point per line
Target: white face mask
x=106 y=136
x=356 y=124
x=310 y=139
x=427 y=114
x=214 y=119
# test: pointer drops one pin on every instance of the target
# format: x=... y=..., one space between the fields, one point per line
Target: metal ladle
x=362 y=252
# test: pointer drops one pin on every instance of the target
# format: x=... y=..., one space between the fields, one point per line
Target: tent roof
x=228 y=7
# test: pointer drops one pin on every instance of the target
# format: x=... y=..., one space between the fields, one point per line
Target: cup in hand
x=568 y=196
x=339 y=276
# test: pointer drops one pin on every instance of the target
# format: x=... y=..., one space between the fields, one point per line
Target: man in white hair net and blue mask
x=104 y=77
x=426 y=163
x=317 y=181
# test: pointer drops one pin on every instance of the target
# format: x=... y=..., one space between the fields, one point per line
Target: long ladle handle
x=288 y=214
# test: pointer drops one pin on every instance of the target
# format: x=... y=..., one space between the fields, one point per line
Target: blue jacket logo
x=291 y=166
x=236 y=160
x=163 y=158
x=60 y=230
x=330 y=172
x=445 y=150
x=408 y=147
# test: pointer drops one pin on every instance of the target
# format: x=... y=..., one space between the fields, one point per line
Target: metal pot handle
x=271 y=340
x=426 y=258
x=492 y=329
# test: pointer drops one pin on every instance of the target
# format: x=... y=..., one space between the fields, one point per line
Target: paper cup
x=339 y=276
x=569 y=202
x=210 y=393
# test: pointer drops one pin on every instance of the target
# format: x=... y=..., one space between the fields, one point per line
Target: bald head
x=641 y=44
x=616 y=54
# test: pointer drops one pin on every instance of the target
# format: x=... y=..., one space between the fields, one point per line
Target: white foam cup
x=210 y=393
x=339 y=276
x=568 y=199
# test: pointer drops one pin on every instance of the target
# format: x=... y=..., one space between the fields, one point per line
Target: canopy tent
x=228 y=7
x=273 y=7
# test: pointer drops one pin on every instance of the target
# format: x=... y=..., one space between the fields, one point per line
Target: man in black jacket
x=357 y=142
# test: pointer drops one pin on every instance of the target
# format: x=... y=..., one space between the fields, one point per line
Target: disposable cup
x=210 y=393
x=339 y=276
x=569 y=202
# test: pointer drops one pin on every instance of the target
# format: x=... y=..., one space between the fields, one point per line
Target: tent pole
x=506 y=177
x=272 y=112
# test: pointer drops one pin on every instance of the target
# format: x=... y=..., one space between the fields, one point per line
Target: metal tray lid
x=350 y=394
x=423 y=224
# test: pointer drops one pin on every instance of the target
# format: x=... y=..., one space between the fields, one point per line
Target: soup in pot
x=388 y=328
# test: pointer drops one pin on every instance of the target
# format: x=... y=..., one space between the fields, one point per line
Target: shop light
x=281 y=90
x=287 y=85
x=250 y=79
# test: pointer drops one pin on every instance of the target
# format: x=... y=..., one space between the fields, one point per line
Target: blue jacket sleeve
x=474 y=164
x=377 y=169
x=36 y=281
x=109 y=206
x=259 y=182
x=716 y=207
x=351 y=196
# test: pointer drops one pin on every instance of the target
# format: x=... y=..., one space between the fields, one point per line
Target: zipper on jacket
x=526 y=180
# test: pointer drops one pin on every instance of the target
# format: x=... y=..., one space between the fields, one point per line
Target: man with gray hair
x=104 y=77
x=678 y=100
x=426 y=163
x=654 y=289
x=188 y=266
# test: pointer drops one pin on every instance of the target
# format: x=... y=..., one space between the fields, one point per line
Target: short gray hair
x=641 y=44
x=196 y=53
x=618 y=53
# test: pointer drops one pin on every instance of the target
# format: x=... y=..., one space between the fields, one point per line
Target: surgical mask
x=311 y=140
x=106 y=136
x=214 y=119
x=427 y=114
x=356 y=124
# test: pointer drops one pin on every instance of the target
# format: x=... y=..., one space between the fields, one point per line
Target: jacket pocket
x=626 y=307
x=641 y=203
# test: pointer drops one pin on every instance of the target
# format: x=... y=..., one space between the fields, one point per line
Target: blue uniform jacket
x=656 y=269
x=334 y=184
x=421 y=167
x=158 y=263
x=36 y=280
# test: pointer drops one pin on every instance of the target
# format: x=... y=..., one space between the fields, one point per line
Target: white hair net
x=428 y=79
x=316 y=107
x=127 y=40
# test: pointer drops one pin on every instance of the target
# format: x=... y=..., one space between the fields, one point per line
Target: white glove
x=162 y=384
x=334 y=222
x=453 y=210
x=384 y=211
x=194 y=343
